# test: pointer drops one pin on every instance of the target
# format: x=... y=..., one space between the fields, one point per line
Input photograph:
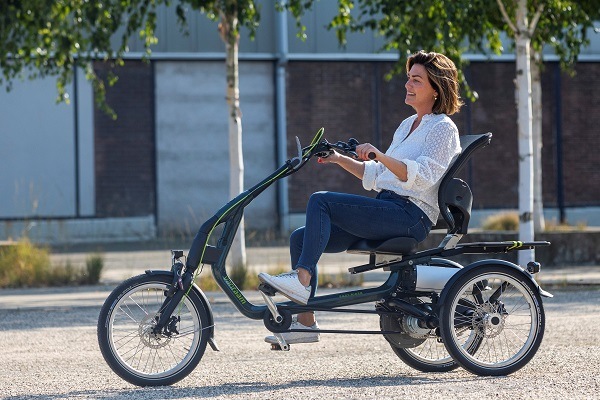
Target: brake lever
x=296 y=162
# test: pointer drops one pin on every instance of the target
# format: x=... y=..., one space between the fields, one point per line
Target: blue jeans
x=334 y=221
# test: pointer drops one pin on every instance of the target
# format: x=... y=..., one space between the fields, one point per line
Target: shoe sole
x=297 y=300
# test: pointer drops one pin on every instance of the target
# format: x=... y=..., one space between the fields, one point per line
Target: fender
x=504 y=263
x=211 y=321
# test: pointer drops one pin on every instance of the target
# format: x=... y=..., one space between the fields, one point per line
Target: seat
x=454 y=199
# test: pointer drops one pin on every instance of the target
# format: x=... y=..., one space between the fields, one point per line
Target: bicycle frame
x=201 y=252
x=230 y=215
x=426 y=299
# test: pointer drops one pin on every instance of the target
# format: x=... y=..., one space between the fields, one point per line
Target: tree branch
x=506 y=17
x=536 y=18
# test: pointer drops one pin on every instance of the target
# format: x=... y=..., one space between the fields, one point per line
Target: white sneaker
x=288 y=285
x=310 y=336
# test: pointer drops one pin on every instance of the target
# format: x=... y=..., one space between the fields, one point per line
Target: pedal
x=266 y=289
x=277 y=347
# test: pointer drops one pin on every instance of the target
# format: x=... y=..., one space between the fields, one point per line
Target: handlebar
x=348 y=148
x=322 y=148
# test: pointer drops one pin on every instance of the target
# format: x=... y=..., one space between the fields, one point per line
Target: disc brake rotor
x=150 y=339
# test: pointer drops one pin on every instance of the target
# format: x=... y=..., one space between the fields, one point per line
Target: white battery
x=433 y=279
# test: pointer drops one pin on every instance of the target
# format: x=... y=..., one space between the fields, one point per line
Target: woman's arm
x=397 y=167
x=355 y=167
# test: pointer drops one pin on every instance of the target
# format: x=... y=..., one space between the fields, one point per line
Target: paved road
x=51 y=352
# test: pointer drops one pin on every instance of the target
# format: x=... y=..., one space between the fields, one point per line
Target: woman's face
x=420 y=95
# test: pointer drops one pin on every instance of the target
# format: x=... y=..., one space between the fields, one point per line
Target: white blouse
x=427 y=152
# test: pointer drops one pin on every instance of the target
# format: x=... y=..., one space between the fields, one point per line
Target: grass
x=509 y=221
x=506 y=221
x=24 y=264
x=554 y=226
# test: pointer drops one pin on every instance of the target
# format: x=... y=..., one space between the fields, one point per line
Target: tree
x=51 y=38
x=522 y=29
x=532 y=24
x=449 y=27
x=452 y=27
x=563 y=26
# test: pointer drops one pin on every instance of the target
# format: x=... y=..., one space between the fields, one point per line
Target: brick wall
x=124 y=148
x=352 y=99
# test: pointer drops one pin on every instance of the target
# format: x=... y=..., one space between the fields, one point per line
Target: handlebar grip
x=372 y=156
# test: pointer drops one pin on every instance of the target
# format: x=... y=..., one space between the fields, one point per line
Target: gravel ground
x=53 y=353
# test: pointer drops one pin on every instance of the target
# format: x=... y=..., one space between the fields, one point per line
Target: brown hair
x=443 y=77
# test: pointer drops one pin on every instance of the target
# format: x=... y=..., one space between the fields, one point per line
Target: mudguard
x=211 y=321
x=503 y=263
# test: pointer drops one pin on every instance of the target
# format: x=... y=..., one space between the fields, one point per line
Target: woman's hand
x=333 y=158
x=364 y=149
x=355 y=167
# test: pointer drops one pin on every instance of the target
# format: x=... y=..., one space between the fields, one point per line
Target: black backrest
x=454 y=196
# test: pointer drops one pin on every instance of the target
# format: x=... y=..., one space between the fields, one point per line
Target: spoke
x=152 y=355
x=140 y=307
x=124 y=312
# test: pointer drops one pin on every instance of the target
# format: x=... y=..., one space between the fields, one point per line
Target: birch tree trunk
x=523 y=86
x=536 y=102
x=230 y=35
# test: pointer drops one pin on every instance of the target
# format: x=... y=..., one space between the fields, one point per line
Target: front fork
x=182 y=282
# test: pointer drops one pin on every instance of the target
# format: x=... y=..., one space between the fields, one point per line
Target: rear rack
x=465 y=248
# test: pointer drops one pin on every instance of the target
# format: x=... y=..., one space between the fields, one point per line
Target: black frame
x=231 y=215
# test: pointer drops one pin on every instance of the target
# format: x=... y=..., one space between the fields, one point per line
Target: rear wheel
x=130 y=346
x=419 y=348
x=503 y=309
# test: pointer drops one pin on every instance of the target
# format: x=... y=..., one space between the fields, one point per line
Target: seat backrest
x=454 y=195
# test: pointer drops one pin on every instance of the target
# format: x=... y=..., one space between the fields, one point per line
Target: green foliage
x=23 y=264
x=50 y=38
x=507 y=221
x=449 y=27
x=454 y=27
x=93 y=269
x=564 y=27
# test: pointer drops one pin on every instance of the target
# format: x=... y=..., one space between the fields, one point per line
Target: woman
x=407 y=177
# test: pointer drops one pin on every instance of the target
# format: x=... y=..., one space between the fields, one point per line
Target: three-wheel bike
x=435 y=313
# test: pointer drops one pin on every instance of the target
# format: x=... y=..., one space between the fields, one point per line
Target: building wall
x=124 y=147
x=192 y=147
x=37 y=151
x=352 y=99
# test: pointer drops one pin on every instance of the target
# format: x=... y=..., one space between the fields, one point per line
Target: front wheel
x=502 y=307
x=130 y=346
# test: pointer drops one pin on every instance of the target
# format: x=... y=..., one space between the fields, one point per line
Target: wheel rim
x=505 y=329
x=135 y=346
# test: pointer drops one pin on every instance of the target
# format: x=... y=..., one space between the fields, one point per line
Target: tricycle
x=436 y=314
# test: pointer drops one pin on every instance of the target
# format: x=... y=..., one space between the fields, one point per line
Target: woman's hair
x=443 y=77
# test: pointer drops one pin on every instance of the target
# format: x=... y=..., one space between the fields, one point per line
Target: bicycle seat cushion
x=397 y=245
